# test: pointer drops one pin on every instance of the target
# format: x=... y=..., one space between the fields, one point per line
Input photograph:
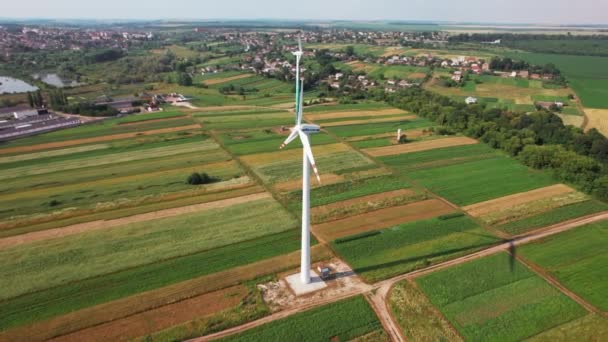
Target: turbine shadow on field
x=422 y=257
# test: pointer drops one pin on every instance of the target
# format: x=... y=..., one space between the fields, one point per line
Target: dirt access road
x=379 y=293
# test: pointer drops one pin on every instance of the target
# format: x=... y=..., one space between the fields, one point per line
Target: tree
x=350 y=50
x=30 y=99
x=184 y=79
x=403 y=139
x=195 y=179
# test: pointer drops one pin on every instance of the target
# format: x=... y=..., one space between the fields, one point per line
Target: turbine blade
x=290 y=138
x=309 y=155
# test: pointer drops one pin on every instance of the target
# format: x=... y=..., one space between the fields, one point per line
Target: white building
x=470 y=100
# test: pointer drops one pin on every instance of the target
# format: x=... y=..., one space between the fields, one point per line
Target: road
x=378 y=295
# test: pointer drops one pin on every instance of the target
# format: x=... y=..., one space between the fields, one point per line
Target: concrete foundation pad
x=295 y=283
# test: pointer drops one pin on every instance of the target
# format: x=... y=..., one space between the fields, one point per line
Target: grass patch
x=414 y=245
x=343 y=321
x=577 y=259
x=497 y=299
x=550 y=217
x=348 y=131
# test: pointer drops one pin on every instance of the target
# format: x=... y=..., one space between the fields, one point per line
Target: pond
x=9 y=85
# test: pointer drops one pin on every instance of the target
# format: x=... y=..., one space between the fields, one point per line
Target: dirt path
x=382 y=289
x=59 y=144
x=380 y=306
x=106 y=224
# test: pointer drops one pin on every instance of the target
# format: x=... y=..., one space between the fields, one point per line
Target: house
x=485 y=67
x=391 y=82
x=524 y=73
x=17 y=112
x=535 y=76
x=338 y=76
x=475 y=68
x=335 y=85
x=470 y=100
x=444 y=64
x=513 y=74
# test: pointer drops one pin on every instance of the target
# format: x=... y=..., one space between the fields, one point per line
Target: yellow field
x=419 y=146
x=598 y=119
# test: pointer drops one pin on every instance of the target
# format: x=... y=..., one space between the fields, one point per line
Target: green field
x=472 y=174
x=587 y=75
x=550 y=217
x=409 y=246
x=259 y=141
x=497 y=299
x=85 y=293
x=348 y=131
x=340 y=321
x=252 y=120
x=577 y=259
x=40 y=265
x=343 y=191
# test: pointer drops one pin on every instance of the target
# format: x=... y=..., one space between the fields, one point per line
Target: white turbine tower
x=302 y=131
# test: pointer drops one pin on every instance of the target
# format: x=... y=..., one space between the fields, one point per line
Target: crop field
x=520 y=206
x=409 y=246
x=349 y=131
x=248 y=120
x=577 y=259
x=378 y=71
x=496 y=298
x=194 y=241
x=353 y=114
x=420 y=146
x=265 y=140
x=343 y=321
x=466 y=179
x=560 y=214
x=587 y=75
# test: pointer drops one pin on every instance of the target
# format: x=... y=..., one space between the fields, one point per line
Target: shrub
x=450 y=216
x=200 y=178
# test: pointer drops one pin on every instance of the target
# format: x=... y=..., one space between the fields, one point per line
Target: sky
x=486 y=11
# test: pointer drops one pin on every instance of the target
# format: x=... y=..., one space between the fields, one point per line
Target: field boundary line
x=563 y=289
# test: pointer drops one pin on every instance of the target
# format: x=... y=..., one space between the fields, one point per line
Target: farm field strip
x=109 y=224
x=344 y=320
x=270 y=157
x=419 y=146
x=380 y=219
x=226 y=79
x=352 y=114
x=367 y=129
x=120 y=136
x=368 y=121
x=359 y=205
x=292 y=185
x=52 y=153
x=412 y=133
x=597 y=118
x=498 y=298
x=106 y=251
x=163 y=317
x=149 y=300
x=109 y=159
x=144 y=122
x=482 y=208
x=409 y=246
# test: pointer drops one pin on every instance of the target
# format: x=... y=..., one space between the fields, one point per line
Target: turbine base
x=295 y=284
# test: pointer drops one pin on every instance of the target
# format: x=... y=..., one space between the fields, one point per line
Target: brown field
x=107 y=224
x=225 y=108
x=364 y=204
x=150 y=300
x=419 y=146
x=380 y=219
x=326 y=179
x=480 y=209
x=368 y=121
x=416 y=75
x=356 y=113
x=598 y=119
x=59 y=144
x=414 y=133
x=163 y=317
x=143 y=122
x=270 y=157
x=226 y=79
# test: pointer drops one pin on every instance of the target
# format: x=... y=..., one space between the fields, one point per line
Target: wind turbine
x=303 y=131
